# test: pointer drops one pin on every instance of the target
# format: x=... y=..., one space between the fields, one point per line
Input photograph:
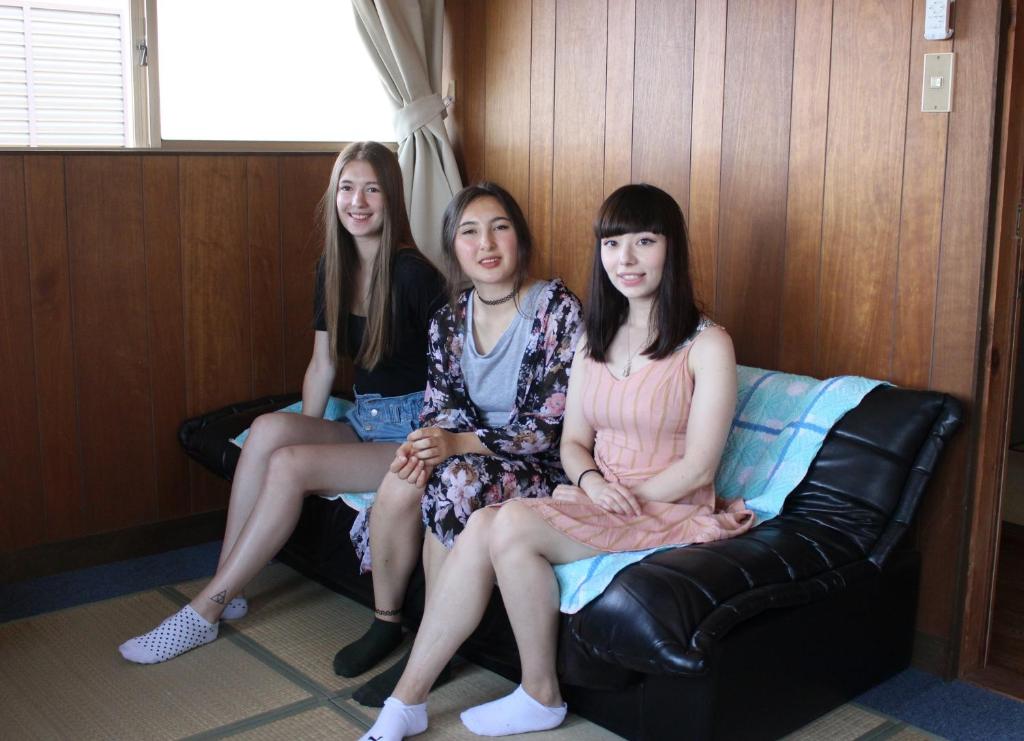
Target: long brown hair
x=341 y=260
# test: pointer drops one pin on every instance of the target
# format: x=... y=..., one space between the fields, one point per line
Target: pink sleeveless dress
x=640 y=423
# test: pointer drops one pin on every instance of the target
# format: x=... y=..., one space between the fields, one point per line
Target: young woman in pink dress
x=651 y=395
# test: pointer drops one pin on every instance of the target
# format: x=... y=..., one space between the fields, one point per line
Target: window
x=65 y=74
x=89 y=72
x=260 y=70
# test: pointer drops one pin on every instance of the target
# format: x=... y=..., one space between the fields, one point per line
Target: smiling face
x=486 y=246
x=634 y=262
x=360 y=201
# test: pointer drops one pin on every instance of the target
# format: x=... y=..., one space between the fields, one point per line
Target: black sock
x=377 y=690
x=365 y=653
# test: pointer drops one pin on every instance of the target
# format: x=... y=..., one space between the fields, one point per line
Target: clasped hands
x=421 y=452
x=609 y=496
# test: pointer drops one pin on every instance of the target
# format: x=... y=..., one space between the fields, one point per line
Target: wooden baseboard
x=997 y=679
x=931 y=654
x=94 y=550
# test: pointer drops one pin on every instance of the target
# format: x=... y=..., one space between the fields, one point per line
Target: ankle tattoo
x=387 y=613
x=220 y=597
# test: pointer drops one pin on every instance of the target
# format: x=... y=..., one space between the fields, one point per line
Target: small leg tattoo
x=220 y=597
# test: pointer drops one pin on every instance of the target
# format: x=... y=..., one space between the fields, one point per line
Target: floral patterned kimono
x=525 y=461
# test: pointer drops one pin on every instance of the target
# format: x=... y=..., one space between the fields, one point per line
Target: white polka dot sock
x=397 y=721
x=181 y=632
x=515 y=713
x=237 y=608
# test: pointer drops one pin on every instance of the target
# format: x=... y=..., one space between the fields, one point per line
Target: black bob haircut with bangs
x=674 y=313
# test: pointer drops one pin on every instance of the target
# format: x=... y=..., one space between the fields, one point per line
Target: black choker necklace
x=496 y=301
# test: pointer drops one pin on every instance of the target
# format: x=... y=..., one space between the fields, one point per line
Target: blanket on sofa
x=780 y=423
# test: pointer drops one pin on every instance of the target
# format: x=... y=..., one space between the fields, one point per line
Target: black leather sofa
x=749 y=638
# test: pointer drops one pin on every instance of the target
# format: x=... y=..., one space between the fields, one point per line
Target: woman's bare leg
x=434 y=555
x=455 y=605
x=268 y=433
x=396 y=539
x=292 y=473
x=523 y=549
x=379 y=688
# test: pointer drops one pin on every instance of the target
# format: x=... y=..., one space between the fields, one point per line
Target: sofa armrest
x=666 y=614
x=680 y=602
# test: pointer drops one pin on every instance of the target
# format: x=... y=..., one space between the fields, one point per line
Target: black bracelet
x=589 y=470
x=387 y=613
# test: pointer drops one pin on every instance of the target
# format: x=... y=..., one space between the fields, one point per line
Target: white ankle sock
x=182 y=631
x=237 y=608
x=515 y=713
x=397 y=721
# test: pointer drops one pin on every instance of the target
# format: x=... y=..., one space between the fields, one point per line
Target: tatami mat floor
x=267 y=677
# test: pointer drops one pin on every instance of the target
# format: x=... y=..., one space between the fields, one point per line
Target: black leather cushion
x=666 y=613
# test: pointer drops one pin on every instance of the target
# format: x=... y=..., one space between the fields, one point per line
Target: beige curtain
x=404 y=39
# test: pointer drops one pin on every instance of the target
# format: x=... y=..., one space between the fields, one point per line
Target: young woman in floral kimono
x=498 y=370
x=649 y=406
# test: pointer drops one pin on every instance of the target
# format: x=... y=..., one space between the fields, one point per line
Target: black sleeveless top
x=417 y=292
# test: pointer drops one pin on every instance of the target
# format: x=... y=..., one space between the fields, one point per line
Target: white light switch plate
x=937 y=89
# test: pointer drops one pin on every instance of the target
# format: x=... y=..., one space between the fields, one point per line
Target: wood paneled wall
x=835 y=228
x=137 y=290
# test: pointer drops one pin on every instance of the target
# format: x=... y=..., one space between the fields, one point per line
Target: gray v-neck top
x=491 y=379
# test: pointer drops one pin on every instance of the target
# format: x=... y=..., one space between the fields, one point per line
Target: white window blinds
x=64 y=76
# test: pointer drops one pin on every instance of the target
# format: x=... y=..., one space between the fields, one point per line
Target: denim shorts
x=377 y=418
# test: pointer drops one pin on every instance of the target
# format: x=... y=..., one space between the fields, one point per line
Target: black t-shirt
x=417 y=292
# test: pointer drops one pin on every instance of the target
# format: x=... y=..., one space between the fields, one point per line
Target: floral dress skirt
x=462 y=485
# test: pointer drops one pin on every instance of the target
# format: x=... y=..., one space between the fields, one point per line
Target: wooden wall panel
x=216 y=272
x=215 y=263
x=303 y=181
x=473 y=106
x=958 y=310
x=108 y=263
x=870 y=49
x=709 y=49
x=54 y=352
x=920 y=223
x=21 y=500
x=662 y=95
x=108 y=288
x=453 y=64
x=755 y=158
x=578 y=187
x=166 y=322
x=264 y=224
x=618 y=109
x=801 y=287
x=507 y=82
x=542 y=134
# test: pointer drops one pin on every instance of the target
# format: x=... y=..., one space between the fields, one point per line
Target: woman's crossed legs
x=286 y=458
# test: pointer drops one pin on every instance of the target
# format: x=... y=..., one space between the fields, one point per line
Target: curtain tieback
x=417 y=114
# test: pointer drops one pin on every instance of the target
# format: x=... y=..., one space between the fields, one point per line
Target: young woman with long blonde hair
x=375 y=294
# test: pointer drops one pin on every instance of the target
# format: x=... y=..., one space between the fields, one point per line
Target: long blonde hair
x=341 y=260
